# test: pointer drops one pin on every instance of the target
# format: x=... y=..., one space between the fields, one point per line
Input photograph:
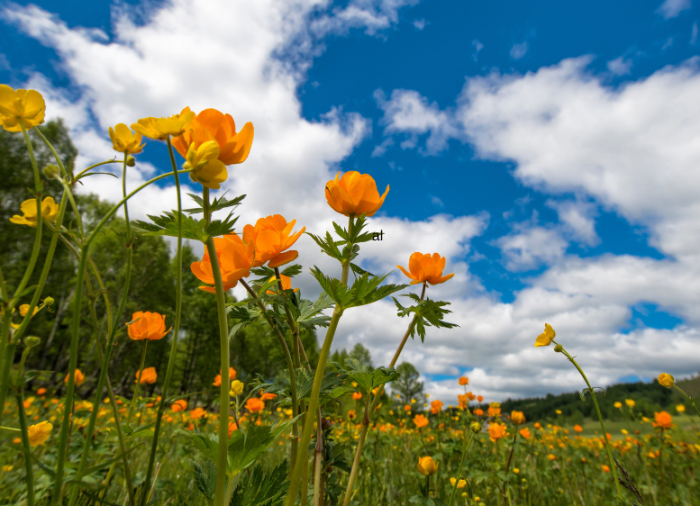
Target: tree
x=407 y=385
x=359 y=352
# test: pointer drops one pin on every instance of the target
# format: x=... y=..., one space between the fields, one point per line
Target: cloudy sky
x=549 y=150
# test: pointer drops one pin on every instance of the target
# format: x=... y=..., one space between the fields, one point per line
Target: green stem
x=690 y=399
x=221 y=464
x=318 y=378
x=375 y=403
x=80 y=174
x=135 y=398
x=176 y=325
x=26 y=447
x=613 y=467
x=459 y=469
x=75 y=331
x=510 y=458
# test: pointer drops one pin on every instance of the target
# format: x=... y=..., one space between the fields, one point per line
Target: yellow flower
x=546 y=337
x=666 y=380
x=460 y=483
x=427 y=466
x=629 y=402
x=236 y=388
x=124 y=141
x=557 y=411
x=618 y=405
x=24 y=309
x=39 y=433
x=162 y=128
x=517 y=417
x=49 y=210
x=27 y=105
x=624 y=431
x=680 y=408
x=206 y=167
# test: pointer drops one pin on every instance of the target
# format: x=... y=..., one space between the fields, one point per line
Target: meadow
x=79 y=426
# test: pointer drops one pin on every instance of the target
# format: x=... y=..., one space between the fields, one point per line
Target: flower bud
x=475 y=427
x=31 y=341
x=48 y=301
x=558 y=348
x=666 y=380
x=51 y=172
x=130 y=161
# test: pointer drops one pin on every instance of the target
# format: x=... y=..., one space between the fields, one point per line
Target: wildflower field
x=85 y=428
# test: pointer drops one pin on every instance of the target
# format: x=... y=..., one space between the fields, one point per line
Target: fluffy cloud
x=672 y=8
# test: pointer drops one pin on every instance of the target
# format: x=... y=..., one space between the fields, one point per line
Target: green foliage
x=365 y=290
x=167 y=225
x=205 y=478
x=366 y=378
x=407 y=385
x=262 y=489
x=216 y=205
x=428 y=313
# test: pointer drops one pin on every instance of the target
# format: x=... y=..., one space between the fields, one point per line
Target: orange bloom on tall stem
x=180 y=405
x=354 y=194
x=272 y=236
x=147 y=325
x=267 y=397
x=254 y=405
x=148 y=375
x=213 y=125
x=463 y=380
x=517 y=417
x=497 y=431
x=662 y=420
x=79 y=378
x=525 y=433
x=197 y=413
x=426 y=269
x=235 y=257
x=420 y=421
x=436 y=406
x=231 y=376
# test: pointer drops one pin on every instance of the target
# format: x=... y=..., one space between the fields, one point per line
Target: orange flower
x=267 y=397
x=79 y=378
x=578 y=428
x=41 y=391
x=427 y=466
x=463 y=398
x=551 y=457
x=148 y=376
x=354 y=194
x=494 y=412
x=662 y=420
x=39 y=433
x=525 y=433
x=351 y=414
x=197 y=413
x=232 y=427
x=436 y=406
x=231 y=376
x=479 y=412
x=496 y=431
x=254 y=405
x=213 y=125
x=407 y=407
x=180 y=405
x=235 y=257
x=517 y=417
x=605 y=468
x=426 y=269
x=147 y=325
x=463 y=380
x=480 y=398
x=286 y=284
x=420 y=421
x=272 y=236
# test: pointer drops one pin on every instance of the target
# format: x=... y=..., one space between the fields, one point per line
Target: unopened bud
x=130 y=161
x=52 y=172
x=48 y=301
x=475 y=427
x=558 y=348
x=31 y=341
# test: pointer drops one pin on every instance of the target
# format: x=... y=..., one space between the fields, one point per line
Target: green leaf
x=310 y=313
x=166 y=225
x=208 y=444
x=333 y=287
x=328 y=245
x=366 y=289
x=261 y=489
x=216 y=205
x=366 y=378
x=244 y=447
x=205 y=478
x=428 y=313
x=359 y=270
x=292 y=270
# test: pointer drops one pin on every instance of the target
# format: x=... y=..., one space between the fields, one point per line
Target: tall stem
x=690 y=399
x=375 y=403
x=135 y=398
x=459 y=469
x=224 y=399
x=176 y=328
x=26 y=447
x=510 y=458
x=600 y=418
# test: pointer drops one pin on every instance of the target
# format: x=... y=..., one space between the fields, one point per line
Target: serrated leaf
x=308 y=312
x=359 y=270
x=262 y=489
x=333 y=287
x=205 y=478
x=328 y=246
x=366 y=378
x=166 y=225
x=216 y=205
x=292 y=270
x=366 y=289
x=244 y=447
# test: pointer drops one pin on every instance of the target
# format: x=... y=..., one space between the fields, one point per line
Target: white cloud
x=478 y=46
x=620 y=66
x=577 y=220
x=672 y=8
x=373 y=15
x=529 y=247
x=518 y=50
x=419 y=24
x=667 y=44
x=406 y=111
x=694 y=34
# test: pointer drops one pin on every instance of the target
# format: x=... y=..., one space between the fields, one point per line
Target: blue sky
x=549 y=150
